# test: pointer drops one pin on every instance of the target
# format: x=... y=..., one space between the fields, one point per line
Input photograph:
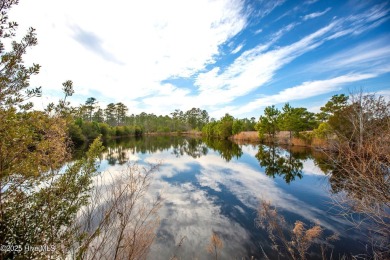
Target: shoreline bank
x=281 y=138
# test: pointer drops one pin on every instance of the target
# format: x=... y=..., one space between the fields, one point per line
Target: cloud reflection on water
x=207 y=194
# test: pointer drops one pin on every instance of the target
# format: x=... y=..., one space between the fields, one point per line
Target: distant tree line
x=228 y=126
x=90 y=121
x=289 y=119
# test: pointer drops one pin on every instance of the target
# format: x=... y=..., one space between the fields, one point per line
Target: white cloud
x=316 y=14
x=309 y=2
x=190 y=210
x=258 y=31
x=195 y=218
x=303 y=91
x=257 y=66
x=276 y=36
x=385 y=93
x=237 y=49
x=373 y=55
x=266 y=7
x=310 y=168
x=124 y=50
x=187 y=203
x=252 y=69
x=370 y=19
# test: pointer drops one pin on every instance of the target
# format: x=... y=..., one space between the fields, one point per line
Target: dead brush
x=291 y=242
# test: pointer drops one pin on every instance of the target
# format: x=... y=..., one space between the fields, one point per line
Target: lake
x=216 y=186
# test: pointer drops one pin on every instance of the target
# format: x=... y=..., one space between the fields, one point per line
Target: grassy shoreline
x=281 y=138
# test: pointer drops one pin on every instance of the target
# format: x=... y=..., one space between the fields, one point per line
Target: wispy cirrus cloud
x=237 y=49
x=303 y=91
x=277 y=35
x=258 y=66
x=310 y=2
x=92 y=42
x=253 y=69
x=367 y=56
x=146 y=48
x=369 y=19
x=266 y=7
x=218 y=88
x=316 y=14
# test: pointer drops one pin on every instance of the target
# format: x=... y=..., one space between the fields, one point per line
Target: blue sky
x=228 y=56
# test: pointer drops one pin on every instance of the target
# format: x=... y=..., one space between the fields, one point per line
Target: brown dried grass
x=214 y=245
x=291 y=242
x=252 y=136
x=119 y=221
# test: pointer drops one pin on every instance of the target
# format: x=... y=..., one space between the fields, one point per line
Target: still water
x=215 y=186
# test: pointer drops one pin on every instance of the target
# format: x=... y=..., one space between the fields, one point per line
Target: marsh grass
x=291 y=242
x=214 y=245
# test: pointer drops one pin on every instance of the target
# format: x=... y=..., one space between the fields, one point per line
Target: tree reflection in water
x=118 y=150
x=277 y=161
x=192 y=147
x=227 y=149
x=280 y=162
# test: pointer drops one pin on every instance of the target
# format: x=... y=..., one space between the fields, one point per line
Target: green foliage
x=115 y=115
x=38 y=201
x=29 y=141
x=323 y=131
x=90 y=106
x=222 y=128
x=227 y=149
x=34 y=217
x=117 y=123
x=90 y=130
x=277 y=163
x=269 y=122
x=297 y=119
x=120 y=112
x=334 y=105
x=196 y=118
x=307 y=137
x=227 y=126
x=105 y=130
x=237 y=127
x=76 y=134
x=110 y=114
x=14 y=75
x=98 y=116
x=119 y=131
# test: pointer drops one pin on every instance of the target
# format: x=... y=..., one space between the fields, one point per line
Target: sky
x=225 y=56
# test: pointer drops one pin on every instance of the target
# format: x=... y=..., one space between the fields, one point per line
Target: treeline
x=90 y=121
x=289 y=119
x=300 y=122
x=337 y=119
x=228 y=126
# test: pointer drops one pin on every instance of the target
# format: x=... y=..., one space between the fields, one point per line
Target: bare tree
x=119 y=221
x=361 y=167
